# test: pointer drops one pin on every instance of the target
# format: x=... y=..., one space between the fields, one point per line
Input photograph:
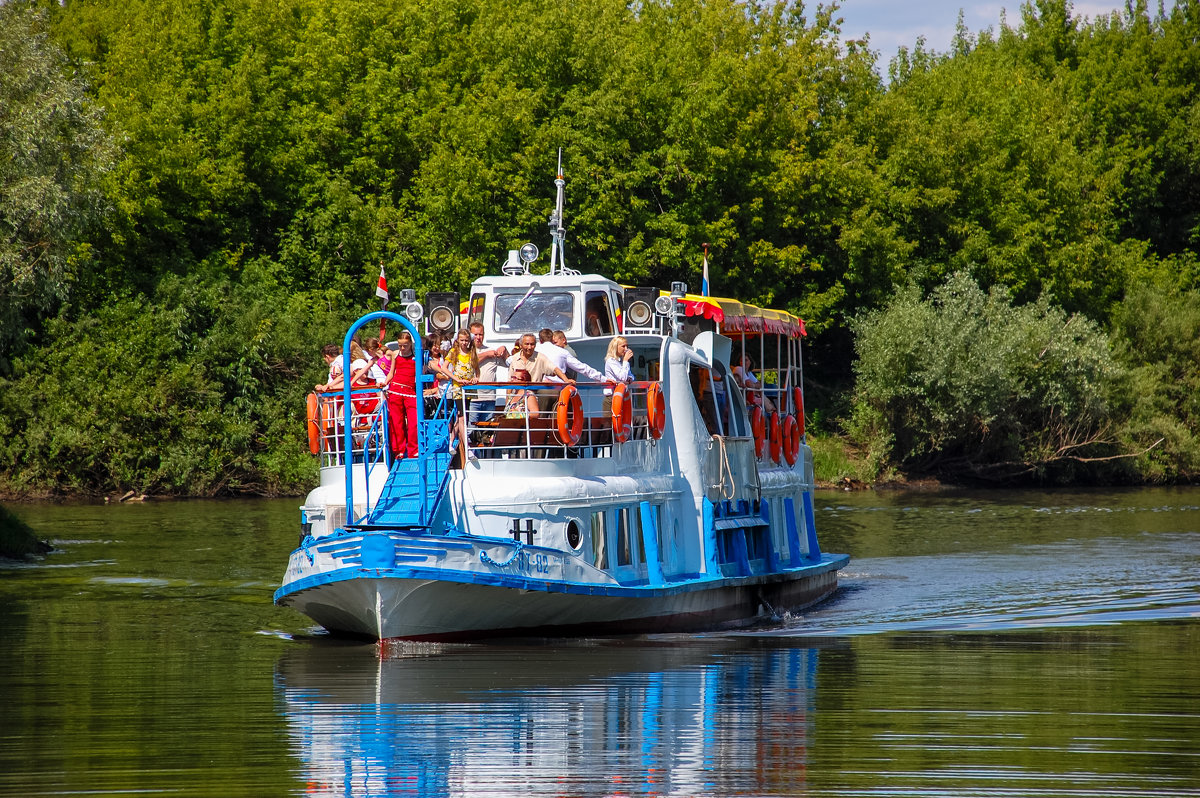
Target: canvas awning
x=733 y=316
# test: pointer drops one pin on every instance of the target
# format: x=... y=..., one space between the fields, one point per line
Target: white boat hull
x=386 y=606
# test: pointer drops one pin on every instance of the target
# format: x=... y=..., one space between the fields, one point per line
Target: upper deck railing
x=502 y=428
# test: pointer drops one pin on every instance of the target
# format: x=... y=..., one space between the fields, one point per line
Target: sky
x=894 y=24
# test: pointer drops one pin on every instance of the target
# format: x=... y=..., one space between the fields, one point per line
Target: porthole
x=574 y=535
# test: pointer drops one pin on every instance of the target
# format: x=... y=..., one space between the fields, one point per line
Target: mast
x=558 y=233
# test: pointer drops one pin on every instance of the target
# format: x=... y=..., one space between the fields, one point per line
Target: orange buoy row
x=622 y=412
x=321 y=421
x=781 y=438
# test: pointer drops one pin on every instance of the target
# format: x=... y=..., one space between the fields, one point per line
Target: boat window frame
x=475 y=308
x=603 y=313
x=500 y=310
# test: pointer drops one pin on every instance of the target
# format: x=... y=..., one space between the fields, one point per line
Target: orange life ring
x=570 y=416
x=776 y=437
x=791 y=440
x=656 y=410
x=314 y=423
x=798 y=400
x=758 y=428
x=622 y=413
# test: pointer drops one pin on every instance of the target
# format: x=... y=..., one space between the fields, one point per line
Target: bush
x=964 y=383
x=196 y=391
x=1158 y=334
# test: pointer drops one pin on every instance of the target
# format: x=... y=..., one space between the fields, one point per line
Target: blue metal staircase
x=402 y=502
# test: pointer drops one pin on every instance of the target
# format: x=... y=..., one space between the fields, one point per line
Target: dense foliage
x=965 y=382
x=53 y=150
x=270 y=154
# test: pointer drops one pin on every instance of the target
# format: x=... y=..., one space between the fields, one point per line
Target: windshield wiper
x=533 y=287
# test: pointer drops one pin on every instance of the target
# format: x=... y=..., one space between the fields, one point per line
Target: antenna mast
x=558 y=233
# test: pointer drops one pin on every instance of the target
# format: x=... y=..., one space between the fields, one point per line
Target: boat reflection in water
x=593 y=719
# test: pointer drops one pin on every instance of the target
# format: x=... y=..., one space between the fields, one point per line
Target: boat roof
x=732 y=316
x=520 y=282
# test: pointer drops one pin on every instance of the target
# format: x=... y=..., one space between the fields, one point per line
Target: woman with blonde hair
x=616 y=368
x=463 y=365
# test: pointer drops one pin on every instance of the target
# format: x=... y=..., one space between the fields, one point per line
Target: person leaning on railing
x=538 y=366
x=483 y=404
x=556 y=351
x=332 y=354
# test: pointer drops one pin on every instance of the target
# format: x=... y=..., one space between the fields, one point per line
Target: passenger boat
x=687 y=505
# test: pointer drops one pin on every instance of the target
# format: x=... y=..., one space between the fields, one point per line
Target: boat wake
x=1064 y=584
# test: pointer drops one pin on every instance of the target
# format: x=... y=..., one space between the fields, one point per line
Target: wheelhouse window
x=475 y=310
x=518 y=313
x=597 y=316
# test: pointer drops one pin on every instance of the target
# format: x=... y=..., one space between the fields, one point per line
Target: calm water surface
x=999 y=644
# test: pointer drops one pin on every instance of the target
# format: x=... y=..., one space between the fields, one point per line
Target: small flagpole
x=704 y=275
x=381 y=291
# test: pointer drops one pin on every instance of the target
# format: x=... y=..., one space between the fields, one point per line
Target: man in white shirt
x=556 y=352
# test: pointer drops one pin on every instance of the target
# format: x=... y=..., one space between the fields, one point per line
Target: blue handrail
x=348 y=436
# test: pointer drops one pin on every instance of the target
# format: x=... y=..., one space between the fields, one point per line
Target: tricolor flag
x=704 y=277
x=382 y=292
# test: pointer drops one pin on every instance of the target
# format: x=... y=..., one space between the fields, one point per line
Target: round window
x=574 y=536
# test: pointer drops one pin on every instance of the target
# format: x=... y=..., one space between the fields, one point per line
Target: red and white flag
x=381 y=290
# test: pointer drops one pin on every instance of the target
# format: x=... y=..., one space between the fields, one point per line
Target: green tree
x=53 y=151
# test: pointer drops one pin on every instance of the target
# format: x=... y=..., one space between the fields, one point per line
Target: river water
x=981 y=644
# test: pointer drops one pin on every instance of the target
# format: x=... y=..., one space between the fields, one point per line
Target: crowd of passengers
x=462 y=360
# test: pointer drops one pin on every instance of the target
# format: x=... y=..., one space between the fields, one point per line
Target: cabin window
x=597 y=317
x=599 y=532
x=475 y=310
x=656 y=529
x=518 y=313
x=624 y=547
x=630 y=548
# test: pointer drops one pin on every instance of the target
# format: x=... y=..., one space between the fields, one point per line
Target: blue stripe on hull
x=829 y=562
x=443 y=611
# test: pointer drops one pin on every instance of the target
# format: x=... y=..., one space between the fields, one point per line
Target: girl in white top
x=616 y=367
